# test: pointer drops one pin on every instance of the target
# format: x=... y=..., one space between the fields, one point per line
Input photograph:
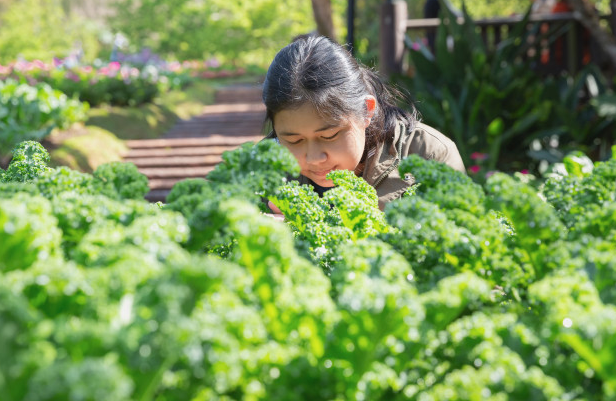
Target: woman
x=334 y=114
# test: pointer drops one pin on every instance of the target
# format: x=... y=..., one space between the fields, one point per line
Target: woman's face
x=320 y=146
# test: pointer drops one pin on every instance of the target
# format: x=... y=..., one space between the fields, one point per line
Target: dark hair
x=313 y=69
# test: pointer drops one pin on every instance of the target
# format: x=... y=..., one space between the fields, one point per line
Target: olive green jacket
x=381 y=165
x=381 y=169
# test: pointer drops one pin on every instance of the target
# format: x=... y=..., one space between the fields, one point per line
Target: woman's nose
x=315 y=153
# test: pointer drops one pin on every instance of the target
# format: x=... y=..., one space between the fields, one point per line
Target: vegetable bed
x=456 y=291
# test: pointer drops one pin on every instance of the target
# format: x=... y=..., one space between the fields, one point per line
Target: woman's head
x=314 y=83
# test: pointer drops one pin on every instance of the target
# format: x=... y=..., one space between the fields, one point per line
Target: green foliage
x=250 y=32
x=250 y=172
x=465 y=298
x=583 y=190
x=31 y=112
x=29 y=161
x=115 y=180
x=472 y=93
x=348 y=212
x=28 y=232
x=42 y=29
x=123 y=180
x=491 y=8
x=261 y=167
x=112 y=84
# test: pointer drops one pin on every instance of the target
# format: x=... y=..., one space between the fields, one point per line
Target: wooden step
x=214 y=140
x=192 y=148
x=164 y=183
x=176 y=161
x=240 y=94
x=230 y=108
x=176 y=172
x=204 y=132
x=134 y=154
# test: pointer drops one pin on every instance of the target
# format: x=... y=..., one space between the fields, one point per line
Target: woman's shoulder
x=431 y=144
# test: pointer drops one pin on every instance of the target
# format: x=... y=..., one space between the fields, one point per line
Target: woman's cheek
x=296 y=151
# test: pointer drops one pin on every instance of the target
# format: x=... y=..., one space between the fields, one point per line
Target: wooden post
x=391 y=38
x=574 y=50
x=613 y=16
x=351 y=26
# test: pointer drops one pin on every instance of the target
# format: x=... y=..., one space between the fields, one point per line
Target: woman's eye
x=295 y=142
x=331 y=137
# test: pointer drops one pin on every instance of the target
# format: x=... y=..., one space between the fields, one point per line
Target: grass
x=84 y=148
x=87 y=148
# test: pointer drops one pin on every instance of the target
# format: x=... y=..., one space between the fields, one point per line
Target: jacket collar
x=385 y=158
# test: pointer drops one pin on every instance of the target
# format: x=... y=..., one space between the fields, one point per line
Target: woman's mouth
x=321 y=173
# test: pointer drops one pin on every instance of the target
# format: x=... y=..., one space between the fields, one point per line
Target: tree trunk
x=613 y=16
x=322 y=10
x=589 y=18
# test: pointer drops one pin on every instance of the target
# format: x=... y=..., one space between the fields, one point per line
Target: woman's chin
x=322 y=181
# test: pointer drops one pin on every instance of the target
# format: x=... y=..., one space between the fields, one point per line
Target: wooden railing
x=569 y=48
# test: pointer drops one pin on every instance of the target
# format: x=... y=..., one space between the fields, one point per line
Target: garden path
x=193 y=147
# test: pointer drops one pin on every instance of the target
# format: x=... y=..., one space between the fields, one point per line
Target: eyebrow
x=325 y=128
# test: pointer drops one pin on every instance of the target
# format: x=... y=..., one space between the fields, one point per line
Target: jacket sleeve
x=431 y=144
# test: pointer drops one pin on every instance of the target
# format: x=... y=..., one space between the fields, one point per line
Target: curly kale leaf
x=428 y=239
x=535 y=221
x=355 y=202
x=9 y=189
x=379 y=309
x=598 y=221
x=121 y=181
x=77 y=213
x=248 y=173
x=28 y=231
x=348 y=212
x=29 y=161
x=305 y=212
x=155 y=237
x=189 y=186
x=572 y=195
x=62 y=179
x=262 y=167
x=440 y=243
x=92 y=378
x=574 y=315
x=443 y=185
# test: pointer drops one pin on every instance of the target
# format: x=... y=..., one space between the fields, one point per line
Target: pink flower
x=525 y=171
x=479 y=156
x=416 y=46
x=474 y=169
x=114 y=65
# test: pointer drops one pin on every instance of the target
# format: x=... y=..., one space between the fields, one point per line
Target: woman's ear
x=370 y=108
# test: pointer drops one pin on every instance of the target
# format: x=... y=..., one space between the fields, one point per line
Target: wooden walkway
x=193 y=147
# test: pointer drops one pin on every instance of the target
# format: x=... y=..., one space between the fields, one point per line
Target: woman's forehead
x=325 y=116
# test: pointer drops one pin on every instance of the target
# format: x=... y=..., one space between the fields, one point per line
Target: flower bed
x=116 y=83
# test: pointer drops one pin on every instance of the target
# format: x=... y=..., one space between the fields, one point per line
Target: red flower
x=474 y=169
x=479 y=156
